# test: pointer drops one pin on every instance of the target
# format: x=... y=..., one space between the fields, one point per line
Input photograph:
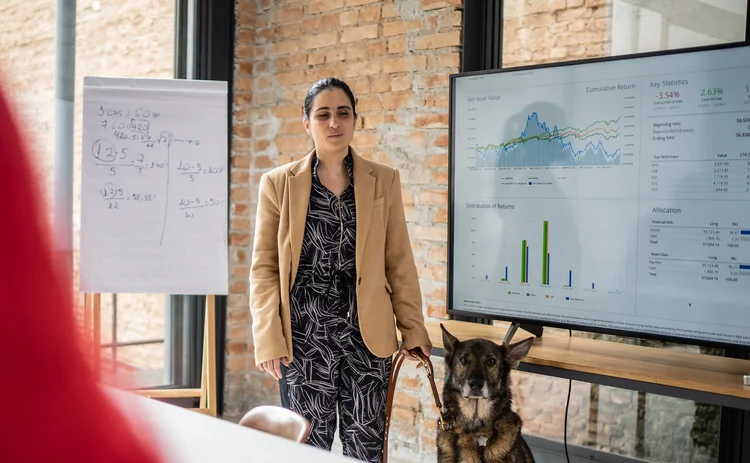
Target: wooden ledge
x=692 y=376
x=170 y=393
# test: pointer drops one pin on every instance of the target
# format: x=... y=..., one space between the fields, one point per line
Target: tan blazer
x=387 y=281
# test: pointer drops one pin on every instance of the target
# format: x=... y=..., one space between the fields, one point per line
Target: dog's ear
x=449 y=341
x=516 y=352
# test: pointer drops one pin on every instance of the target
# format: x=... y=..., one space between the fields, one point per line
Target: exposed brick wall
x=397 y=57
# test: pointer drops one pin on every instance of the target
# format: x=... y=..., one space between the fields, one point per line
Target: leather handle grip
x=396 y=366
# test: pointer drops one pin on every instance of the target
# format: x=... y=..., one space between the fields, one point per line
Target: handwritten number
x=192 y=177
x=142 y=156
x=112 y=171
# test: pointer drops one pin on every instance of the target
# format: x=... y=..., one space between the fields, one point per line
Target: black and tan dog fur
x=477 y=403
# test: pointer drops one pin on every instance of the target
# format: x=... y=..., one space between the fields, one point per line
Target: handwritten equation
x=150 y=168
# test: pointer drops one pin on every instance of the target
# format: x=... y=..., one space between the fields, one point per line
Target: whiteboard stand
x=207 y=392
x=92 y=325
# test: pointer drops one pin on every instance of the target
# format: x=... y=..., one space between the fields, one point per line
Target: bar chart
x=529 y=250
x=551 y=257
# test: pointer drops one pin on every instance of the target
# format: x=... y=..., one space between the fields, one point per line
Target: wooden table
x=184 y=436
x=702 y=378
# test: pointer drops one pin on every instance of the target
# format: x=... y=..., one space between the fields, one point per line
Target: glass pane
x=129 y=319
x=617 y=420
x=541 y=31
x=639 y=425
x=642 y=26
x=139 y=366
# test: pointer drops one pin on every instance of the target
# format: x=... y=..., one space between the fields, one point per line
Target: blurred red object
x=53 y=408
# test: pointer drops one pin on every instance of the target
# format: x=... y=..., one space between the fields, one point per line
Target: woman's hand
x=273 y=367
x=426 y=350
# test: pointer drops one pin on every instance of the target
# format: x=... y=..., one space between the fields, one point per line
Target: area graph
x=538 y=145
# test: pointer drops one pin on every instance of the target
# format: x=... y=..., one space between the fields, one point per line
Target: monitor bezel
x=451 y=199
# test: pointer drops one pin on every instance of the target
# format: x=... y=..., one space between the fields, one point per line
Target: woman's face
x=331 y=121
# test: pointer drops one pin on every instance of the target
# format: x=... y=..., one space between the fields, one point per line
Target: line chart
x=538 y=145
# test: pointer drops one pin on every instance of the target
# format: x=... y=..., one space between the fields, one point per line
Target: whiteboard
x=154 y=188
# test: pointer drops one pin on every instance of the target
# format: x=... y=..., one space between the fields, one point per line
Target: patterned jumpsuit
x=332 y=367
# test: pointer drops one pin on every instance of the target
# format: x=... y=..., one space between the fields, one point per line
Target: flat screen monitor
x=608 y=195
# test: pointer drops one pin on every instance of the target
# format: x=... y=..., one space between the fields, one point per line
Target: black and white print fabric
x=332 y=367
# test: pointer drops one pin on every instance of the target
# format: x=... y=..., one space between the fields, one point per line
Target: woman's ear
x=306 y=124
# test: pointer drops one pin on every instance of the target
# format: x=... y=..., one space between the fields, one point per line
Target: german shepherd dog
x=482 y=427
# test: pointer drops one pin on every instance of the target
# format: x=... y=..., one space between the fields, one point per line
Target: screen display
x=610 y=196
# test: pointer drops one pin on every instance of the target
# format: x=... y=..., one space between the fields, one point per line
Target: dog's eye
x=464 y=360
x=491 y=362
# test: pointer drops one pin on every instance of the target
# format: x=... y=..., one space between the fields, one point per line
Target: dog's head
x=480 y=368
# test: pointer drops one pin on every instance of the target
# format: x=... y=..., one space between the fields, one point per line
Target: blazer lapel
x=364 y=196
x=300 y=184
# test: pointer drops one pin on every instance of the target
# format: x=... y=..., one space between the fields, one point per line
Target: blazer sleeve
x=265 y=291
x=401 y=272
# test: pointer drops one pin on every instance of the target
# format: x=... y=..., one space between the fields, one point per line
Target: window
x=153 y=340
x=634 y=424
x=112 y=40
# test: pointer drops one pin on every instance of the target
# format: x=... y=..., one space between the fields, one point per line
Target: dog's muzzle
x=475 y=388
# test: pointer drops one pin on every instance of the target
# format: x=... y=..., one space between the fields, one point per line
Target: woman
x=332 y=267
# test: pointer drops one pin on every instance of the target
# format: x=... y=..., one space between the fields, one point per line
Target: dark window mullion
x=214 y=60
x=497 y=35
x=488 y=45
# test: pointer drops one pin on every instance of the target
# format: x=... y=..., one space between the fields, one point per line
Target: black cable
x=567 y=406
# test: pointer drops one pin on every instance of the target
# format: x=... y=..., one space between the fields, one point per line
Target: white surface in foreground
x=186 y=436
